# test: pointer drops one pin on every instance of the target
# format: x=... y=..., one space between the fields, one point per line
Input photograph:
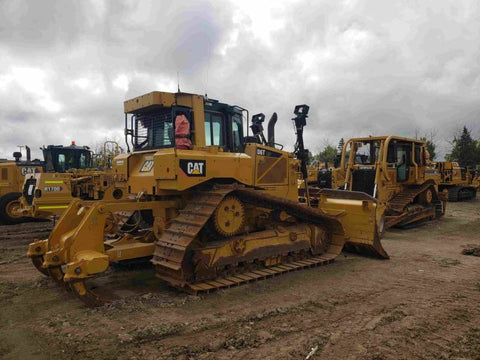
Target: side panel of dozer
x=52 y=195
x=361 y=216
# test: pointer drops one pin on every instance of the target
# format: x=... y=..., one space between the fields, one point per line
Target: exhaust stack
x=271 y=129
x=29 y=157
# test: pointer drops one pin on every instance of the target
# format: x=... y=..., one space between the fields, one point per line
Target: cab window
x=418 y=159
x=237 y=134
x=367 y=153
x=61 y=162
x=214 y=129
x=399 y=153
x=83 y=161
x=154 y=129
x=71 y=161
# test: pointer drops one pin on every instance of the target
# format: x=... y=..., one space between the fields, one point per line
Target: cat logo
x=29 y=170
x=193 y=167
x=147 y=166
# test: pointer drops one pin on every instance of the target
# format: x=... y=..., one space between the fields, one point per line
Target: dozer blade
x=361 y=216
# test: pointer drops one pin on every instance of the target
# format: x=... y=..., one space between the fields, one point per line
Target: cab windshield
x=71 y=159
x=366 y=152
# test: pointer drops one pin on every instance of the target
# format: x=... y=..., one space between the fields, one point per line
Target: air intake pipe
x=271 y=129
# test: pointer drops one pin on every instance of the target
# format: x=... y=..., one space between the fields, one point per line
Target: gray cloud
x=364 y=67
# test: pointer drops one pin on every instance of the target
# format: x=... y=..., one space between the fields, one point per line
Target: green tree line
x=465 y=149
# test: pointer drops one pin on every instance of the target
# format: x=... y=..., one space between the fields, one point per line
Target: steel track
x=171 y=257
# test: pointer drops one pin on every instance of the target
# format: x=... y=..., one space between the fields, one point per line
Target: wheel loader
x=218 y=207
x=57 y=158
x=460 y=183
x=391 y=169
x=47 y=195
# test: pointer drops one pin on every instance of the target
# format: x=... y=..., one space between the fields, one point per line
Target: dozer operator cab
x=155 y=125
x=60 y=158
x=369 y=163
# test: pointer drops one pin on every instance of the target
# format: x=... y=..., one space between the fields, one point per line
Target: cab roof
x=385 y=137
x=158 y=99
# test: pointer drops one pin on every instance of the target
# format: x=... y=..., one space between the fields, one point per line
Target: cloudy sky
x=365 y=67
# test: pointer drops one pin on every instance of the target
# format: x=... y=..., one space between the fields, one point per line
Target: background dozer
x=460 y=183
x=57 y=158
x=392 y=169
x=218 y=208
x=319 y=174
x=48 y=194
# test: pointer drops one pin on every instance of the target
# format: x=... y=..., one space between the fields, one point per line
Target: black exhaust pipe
x=28 y=153
x=271 y=129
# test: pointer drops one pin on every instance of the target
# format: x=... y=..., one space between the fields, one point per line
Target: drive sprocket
x=229 y=216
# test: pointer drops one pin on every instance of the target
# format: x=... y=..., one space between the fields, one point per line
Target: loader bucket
x=361 y=216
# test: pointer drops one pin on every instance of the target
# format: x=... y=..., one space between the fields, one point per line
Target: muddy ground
x=423 y=303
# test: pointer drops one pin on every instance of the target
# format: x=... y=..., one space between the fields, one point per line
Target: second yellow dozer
x=393 y=170
x=218 y=208
x=47 y=195
x=459 y=182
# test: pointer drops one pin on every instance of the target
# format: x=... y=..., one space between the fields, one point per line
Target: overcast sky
x=365 y=67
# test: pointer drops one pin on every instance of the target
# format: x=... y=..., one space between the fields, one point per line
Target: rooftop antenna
x=178 y=82
x=206 y=80
x=20 y=147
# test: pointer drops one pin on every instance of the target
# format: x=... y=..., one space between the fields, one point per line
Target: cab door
x=403 y=161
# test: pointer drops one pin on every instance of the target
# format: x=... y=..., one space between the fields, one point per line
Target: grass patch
x=392 y=317
x=447 y=262
x=156 y=332
x=466 y=346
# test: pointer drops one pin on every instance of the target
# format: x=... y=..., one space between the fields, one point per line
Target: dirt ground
x=423 y=303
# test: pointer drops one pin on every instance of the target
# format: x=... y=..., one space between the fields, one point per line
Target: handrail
x=384 y=161
x=414 y=162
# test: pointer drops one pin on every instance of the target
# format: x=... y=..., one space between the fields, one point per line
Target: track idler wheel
x=37 y=261
x=320 y=240
x=426 y=197
x=86 y=294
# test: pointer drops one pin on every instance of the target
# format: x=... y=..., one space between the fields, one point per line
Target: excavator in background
x=460 y=183
x=57 y=158
x=218 y=208
x=47 y=195
x=391 y=169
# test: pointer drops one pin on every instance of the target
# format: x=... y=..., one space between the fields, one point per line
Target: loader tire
x=8 y=203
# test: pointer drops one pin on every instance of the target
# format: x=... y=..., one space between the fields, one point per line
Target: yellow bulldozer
x=216 y=208
x=47 y=195
x=57 y=158
x=459 y=182
x=391 y=169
